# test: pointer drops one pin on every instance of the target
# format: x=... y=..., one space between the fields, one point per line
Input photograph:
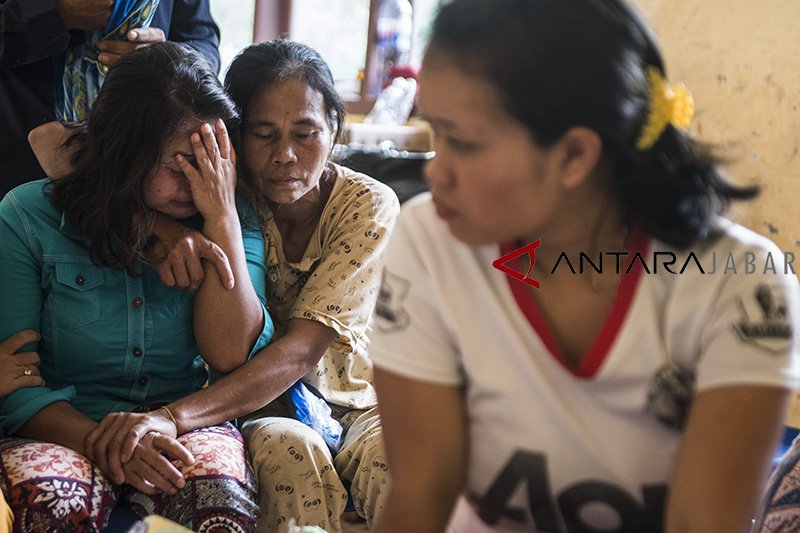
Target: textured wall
x=741 y=60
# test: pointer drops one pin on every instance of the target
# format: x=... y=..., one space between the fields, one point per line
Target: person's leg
x=296 y=478
x=362 y=462
x=219 y=491
x=52 y=488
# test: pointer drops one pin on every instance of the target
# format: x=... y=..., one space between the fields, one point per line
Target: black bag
x=399 y=169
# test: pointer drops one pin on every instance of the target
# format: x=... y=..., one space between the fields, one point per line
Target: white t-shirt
x=595 y=446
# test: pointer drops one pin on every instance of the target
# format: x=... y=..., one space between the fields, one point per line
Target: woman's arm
x=177 y=253
x=425 y=431
x=724 y=458
x=227 y=320
x=52 y=147
x=59 y=423
x=265 y=377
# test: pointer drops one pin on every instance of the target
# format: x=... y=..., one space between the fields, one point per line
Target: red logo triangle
x=500 y=263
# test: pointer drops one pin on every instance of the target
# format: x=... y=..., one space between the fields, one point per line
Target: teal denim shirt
x=110 y=341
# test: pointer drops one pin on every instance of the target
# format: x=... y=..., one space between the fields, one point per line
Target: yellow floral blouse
x=336 y=282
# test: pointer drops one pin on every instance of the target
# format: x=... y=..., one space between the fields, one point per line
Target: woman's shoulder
x=420 y=210
x=30 y=200
x=731 y=259
x=729 y=236
x=351 y=185
x=420 y=228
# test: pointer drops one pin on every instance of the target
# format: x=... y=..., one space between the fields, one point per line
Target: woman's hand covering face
x=213 y=176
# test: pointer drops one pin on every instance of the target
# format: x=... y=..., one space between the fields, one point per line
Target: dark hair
x=558 y=64
x=272 y=62
x=147 y=97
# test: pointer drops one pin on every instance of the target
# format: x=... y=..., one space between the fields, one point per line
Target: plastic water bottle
x=394 y=104
x=394 y=28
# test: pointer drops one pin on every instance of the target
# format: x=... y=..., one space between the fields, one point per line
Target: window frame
x=273 y=18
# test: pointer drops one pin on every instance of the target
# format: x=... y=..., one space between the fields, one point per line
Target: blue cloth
x=121 y=10
x=83 y=73
x=110 y=341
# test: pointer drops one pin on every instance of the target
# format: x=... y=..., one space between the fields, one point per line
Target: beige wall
x=741 y=60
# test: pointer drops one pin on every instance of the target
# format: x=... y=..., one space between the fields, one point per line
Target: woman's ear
x=580 y=152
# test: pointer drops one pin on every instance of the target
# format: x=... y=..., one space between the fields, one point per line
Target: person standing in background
x=35 y=35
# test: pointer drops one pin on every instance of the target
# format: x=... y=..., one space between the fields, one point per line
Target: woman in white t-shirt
x=569 y=335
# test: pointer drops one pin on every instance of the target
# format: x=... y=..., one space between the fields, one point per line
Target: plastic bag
x=294 y=528
x=312 y=410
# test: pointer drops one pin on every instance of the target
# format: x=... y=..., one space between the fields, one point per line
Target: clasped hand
x=176 y=255
x=139 y=449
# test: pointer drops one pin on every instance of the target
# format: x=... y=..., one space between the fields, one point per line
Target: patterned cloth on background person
x=83 y=72
x=779 y=511
x=53 y=488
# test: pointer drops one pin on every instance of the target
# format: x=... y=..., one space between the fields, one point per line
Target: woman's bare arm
x=425 y=431
x=227 y=320
x=266 y=376
x=724 y=459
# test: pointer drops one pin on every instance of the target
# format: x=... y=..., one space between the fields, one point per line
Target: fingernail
x=133 y=34
x=102 y=46
x=103 y=58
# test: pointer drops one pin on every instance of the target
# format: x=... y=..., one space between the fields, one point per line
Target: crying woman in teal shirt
x=114 y=337
x=110 y=341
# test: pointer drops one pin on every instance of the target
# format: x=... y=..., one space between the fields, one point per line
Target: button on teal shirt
x=110 y=341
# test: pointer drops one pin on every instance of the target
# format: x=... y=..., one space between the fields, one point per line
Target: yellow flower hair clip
x=665 y=105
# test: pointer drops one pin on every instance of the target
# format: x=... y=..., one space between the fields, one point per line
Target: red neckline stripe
x=601 y=345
